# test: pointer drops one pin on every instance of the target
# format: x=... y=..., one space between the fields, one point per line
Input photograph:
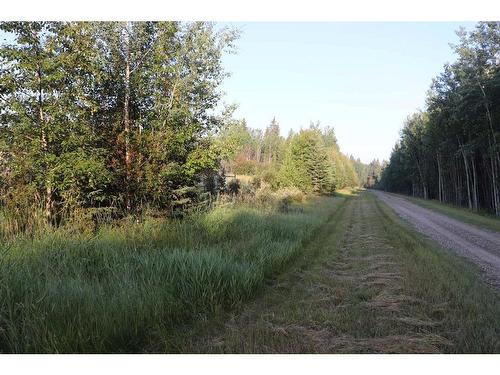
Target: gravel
x=479 y=245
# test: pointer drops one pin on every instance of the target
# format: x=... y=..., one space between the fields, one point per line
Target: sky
x=363 y=79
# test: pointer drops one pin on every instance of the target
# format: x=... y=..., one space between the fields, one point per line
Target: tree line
x=309 y=159
x=450 y=151
x=123 y=116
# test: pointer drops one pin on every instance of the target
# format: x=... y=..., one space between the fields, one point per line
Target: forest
x=100 y=121
x=450 y=151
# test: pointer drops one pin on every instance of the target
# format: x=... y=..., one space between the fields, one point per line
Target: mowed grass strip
x=130 y=288
x=369 y=284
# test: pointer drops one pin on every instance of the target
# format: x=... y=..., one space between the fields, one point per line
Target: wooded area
x=309 y=160
x=450 y=151
x=106 y=115
x=111 y=119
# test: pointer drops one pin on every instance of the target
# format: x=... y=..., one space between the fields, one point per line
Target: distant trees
x=306 y=165
x=272 y=143
x=450 y=152
x=309 y=160
x=368 y=175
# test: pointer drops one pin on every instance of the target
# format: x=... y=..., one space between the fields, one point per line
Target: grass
x=339 y=275
x=129 y=288
x=479 y=219
x=367 y=284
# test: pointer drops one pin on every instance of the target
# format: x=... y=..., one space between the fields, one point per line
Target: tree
x=272 y=142
x=48 y=75
x=109 y=114
x=305 y=164
x=451 y=150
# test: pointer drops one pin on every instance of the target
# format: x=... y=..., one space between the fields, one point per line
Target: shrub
x=269 y=177
x=265 y=197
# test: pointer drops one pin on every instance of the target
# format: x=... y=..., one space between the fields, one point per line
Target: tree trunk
x=460 y=186
x=474 y=184
x=456 y=182
x=49 y=195
x=424 y=185
x=126 y=123
x=440 y=191
x=496 y=198
x=467 y=179
x=494 y=157
x=467 y=174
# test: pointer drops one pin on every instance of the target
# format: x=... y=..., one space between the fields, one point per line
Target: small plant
x=265 y=197
x=295 y=194
x=256 y=182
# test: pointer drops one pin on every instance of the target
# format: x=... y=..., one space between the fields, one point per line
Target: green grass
x=343 y=274
x=129 y=288
x=483 y=220
x=367 y=284
x=455 y=294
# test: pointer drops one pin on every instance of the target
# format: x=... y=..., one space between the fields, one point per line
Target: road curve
x=479 y=245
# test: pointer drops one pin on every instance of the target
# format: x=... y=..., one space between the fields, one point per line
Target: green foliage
x=110 y=113
x=450 y=152
x=309 y=160
x=47 y=77
x=305 y=165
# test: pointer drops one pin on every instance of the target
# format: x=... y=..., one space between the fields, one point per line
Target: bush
x=256 y=183
x=269 y=177
x=243 y=166
x=21 y=214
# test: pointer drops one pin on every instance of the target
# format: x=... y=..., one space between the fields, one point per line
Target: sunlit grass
x=127 y=287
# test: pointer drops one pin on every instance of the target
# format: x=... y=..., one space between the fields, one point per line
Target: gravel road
x=479 y=245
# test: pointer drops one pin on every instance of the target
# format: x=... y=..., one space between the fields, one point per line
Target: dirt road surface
x=479 y=245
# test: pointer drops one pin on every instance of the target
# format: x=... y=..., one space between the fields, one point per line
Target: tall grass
x=126 y=288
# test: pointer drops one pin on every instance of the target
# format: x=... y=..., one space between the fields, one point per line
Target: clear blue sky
x=361 y=78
